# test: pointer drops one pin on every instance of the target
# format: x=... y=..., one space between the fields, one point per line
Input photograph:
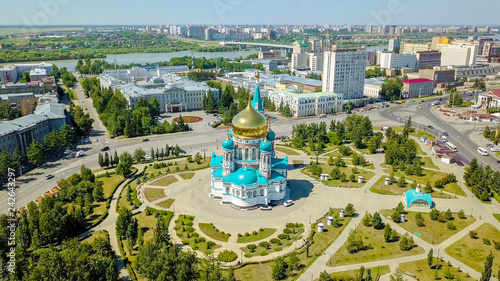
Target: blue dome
x=228 y=144
x=246 y=176
x=231 y=134
x=271 y=136
x=266 y=146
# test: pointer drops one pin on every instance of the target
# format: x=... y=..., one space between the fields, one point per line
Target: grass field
x=428 y=163
x=423 y=272
x=473 y=252
x=109 y=184
x=181 y=164
x=164 y=181
x=167 y=203
x=187 y=176
x=263 y=249
x=420 y=133
x=256 y=237
x=497 y=216
x=31 y=30
x=185 y=231
x=286 y=150
x=378 y=250
x=96 y=234
x=321 y=241
x=153 y=194
x=380 y=270
x=211 y=231
x=434 y=232
x=367 y=175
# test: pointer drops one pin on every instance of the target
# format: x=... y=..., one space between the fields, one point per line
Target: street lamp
x=204 y=150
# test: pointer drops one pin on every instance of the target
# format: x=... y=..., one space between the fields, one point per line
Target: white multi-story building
x=307 y=104
x=315 y=61
x=373 y=87
x=463 y=54
x=344 y=72
x=14 y=72
x=390 y=60
x=299 y=62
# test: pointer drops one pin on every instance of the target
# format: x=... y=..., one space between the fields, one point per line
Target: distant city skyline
x=257 y=12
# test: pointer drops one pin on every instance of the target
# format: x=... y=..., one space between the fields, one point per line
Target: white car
x=288 y=203
x=147 y=157
x=96 y=140
x=482 y=151
x=266 y=208
x=80 y=154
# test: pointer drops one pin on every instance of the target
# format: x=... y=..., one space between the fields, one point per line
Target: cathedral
x=248 y=175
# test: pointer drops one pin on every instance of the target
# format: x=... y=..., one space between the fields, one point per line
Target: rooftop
x=295 y=94
x=417 y=80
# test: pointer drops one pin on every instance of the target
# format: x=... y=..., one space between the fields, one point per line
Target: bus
x=451 y=146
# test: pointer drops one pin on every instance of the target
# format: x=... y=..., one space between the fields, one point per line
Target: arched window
x=239 y=152
x=254 y=153
x=249 y=194
x=238 y=193
x=262 y=192
x=254 y=193
x=227 y=189
x=247 y=154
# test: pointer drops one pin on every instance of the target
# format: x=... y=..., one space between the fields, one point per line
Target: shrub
x=248 y=255
x=486 y=241
x=451 y=226
x=210 y=245
x=264 y=253
x=264 y=245
x=419 y=220
x=275 y=241
x=239 y=235
x=282 y=236
x=287 y=231
x=251 y=247
x=473 y=235
x=185 y=242
x=277 y=249
x=254 y=232
x=497 y=245
x=200 y=240
x=461 y=214
x=367 y=220
x=194 y=234
x=261 y=229
x=227 y=256
x=247 y=234
x=290 y=225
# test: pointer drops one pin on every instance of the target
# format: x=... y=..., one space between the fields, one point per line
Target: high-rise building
x=463 y=54
x=394 y=43
x=344 y=71
x=428 y=59
x=411 y=48
x=390 y=60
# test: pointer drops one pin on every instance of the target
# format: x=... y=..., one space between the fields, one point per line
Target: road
x=463 y=135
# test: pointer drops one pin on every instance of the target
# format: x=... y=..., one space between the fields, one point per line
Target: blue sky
x=153 y=12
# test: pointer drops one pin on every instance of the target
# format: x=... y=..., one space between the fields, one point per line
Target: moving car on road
x=430 y=127
x=48 y=177
x=106 y=148
x=80 y=154
x=482 y=151
x=144 y=140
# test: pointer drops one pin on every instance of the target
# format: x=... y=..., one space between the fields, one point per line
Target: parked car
x=322 y=116
x=48 y=177
x=494 y=148
x=288 y=203
x=106 y=148
x=80 y=153
x=482 y=151
x=144 y=140
x=266 y=208
x=445 y=134
x=96 y=140
x=430 y=127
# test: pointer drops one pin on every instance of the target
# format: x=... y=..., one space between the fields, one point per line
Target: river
x=144 y=58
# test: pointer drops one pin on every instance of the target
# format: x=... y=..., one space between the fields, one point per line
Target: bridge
x=263 y=46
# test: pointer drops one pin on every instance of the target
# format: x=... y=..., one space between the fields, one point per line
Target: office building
x=310 y=104
x=21 y=132
x=389 y=60
x=14 y=72
x=344 y=72
x=315 y=61
x=412 y=48
x=438 y=75
x=373 y=87
x=24 y=102
x=417 y=87
x=428 y=59
x=463 y=54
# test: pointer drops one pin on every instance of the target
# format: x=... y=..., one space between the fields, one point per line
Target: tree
x=122 y=222
x=402 y=181
x=387 y=233
x=398 y=276
x=100 y=160
x=53 y=141
x=349 y=210
x=461 y=214
x=430 y=257
x=132 y=231
x=396 y=217
x=161 y=235
x=106 y=161
x=377 y=221
x=324 y=276
x=293 y=261
x=355 y=242
x=488 y=264
x=26 y=78
x=279 y=269
x=367 y=220
x=124 y=168
x=419 y=220
x=35 y=153
x=139 y=154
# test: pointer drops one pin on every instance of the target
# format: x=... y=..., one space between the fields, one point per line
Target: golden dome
x=249 y=123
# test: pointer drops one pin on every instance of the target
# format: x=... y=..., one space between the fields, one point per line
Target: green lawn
x=286 y=150
x=96 y=234
x=256 y=237
x=211 y=231
x=109 y=184
x=166 y=204
x=428 y=176
x=473 y=252
x=380 y=187
x=366 y=174
x=422 y=270
x=321 y=241
x=172 y=168
x=164 y=181
x=421 y=132
x=380 y=270
x=187 y=176
x=153 y=194
x=428 y=163
x=497 y=216
x=434 y=232
x=296 y=231
x=379 y=249
x=185 y=231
